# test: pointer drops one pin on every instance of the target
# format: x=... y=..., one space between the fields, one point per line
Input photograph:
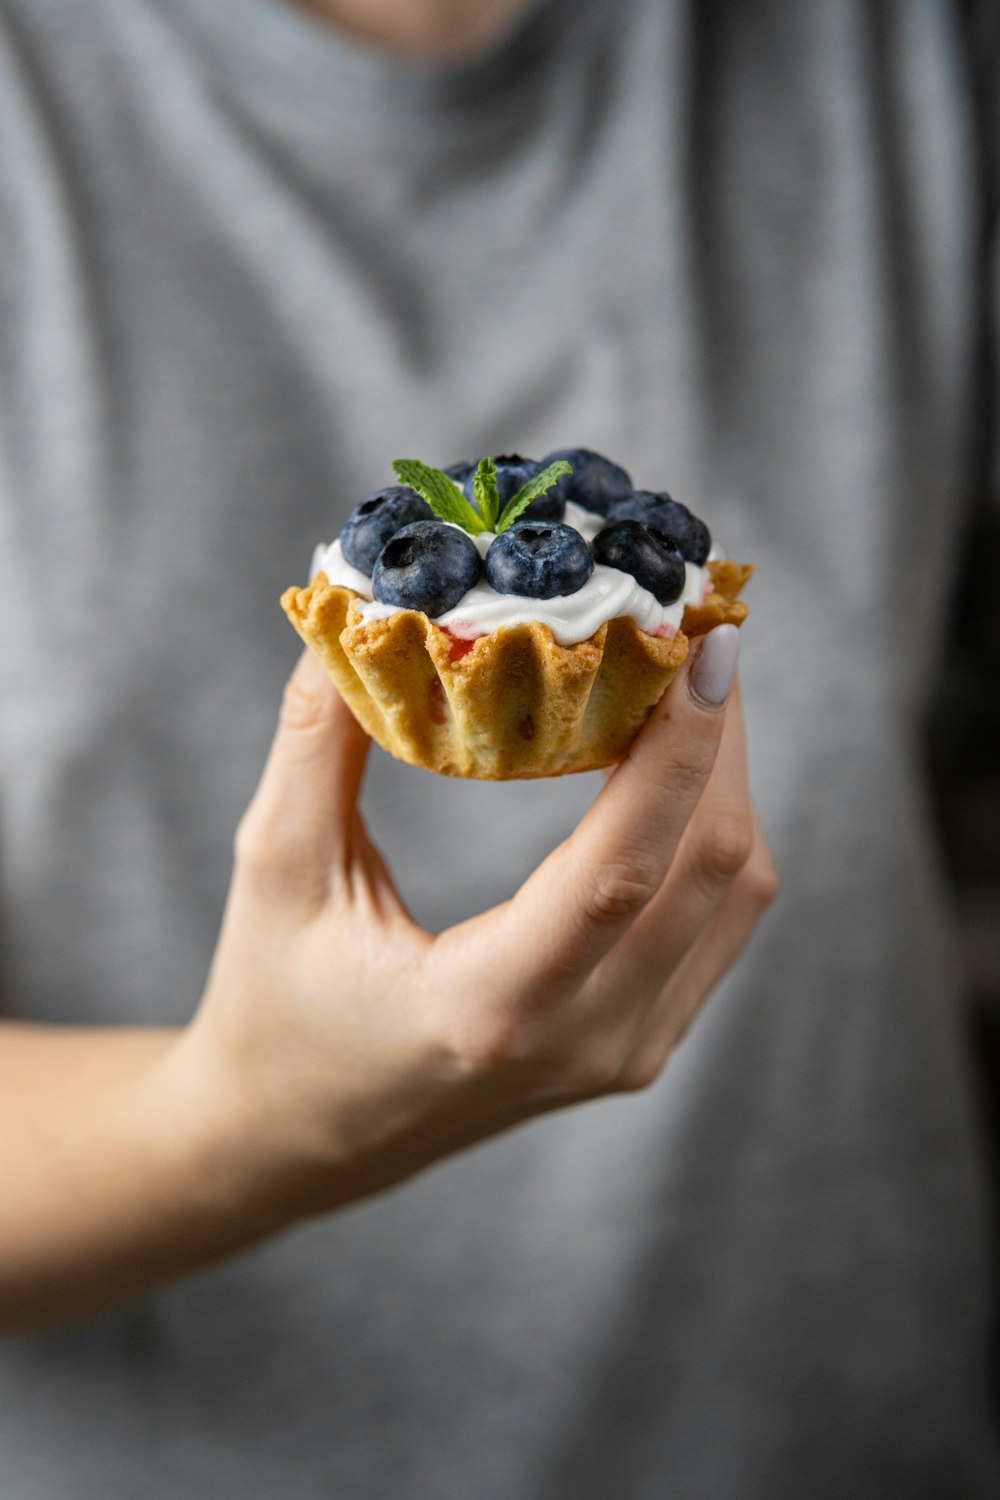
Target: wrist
x=246 y=1158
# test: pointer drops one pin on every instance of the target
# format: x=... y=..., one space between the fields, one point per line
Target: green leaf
x=441 y=493
x=531 y=491
x=487 y=496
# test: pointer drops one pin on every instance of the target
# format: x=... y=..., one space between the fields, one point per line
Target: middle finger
x=715 y=847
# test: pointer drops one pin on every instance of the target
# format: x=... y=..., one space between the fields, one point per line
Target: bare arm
x=116 y=1174
x=339 y=1048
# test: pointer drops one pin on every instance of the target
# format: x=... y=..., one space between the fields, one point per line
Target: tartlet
x=512 y=701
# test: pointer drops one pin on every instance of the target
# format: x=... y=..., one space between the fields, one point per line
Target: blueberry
x=513 y=473
x=690 y=534
x=547 y=507
x=376 y=519
x=460 y=472
x=649 y=555
x=539 y=559
x=428 y=565
x=595 y=481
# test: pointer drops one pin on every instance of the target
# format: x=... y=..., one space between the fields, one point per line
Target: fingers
x=302 y=813
x=715 y=846
x=707 y=962
x=591 y=889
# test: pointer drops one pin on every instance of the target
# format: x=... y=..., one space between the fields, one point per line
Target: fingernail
x=712 y=675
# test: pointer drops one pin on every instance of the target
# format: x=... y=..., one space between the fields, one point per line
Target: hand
x=344 y=1047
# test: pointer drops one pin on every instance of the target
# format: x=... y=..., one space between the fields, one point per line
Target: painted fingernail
x=712 y=676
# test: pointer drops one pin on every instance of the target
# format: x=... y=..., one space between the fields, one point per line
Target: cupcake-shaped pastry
x=512 y=618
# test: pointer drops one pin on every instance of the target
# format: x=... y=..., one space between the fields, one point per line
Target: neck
x=433 y=29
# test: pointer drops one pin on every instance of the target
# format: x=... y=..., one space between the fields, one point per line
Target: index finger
x=580 y=900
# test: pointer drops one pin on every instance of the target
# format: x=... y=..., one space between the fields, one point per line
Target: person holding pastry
x=364 y=1129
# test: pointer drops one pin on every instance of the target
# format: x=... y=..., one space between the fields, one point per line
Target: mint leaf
x=441 y=493
x=531 y=491
x=487 y=496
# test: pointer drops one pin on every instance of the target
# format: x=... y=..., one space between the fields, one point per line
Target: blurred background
x=963 y=747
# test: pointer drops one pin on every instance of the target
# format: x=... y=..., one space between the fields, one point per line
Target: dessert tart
x=512 y=618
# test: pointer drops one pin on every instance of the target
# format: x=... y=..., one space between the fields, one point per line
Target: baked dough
x=512 y=703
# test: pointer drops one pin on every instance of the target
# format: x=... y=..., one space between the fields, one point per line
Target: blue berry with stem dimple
x=649 y=555
x=428 y=565
x=376 y=519
x=668 y=515
x=595 y=482
x=539 y=559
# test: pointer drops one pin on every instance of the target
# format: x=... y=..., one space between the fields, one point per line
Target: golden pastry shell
x=511 y=704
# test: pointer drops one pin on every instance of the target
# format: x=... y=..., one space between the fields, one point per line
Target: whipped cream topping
x=607 y=594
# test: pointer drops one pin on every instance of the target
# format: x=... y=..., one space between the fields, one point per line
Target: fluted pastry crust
x=511 y=704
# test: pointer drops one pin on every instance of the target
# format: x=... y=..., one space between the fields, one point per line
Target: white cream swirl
x=607 y=594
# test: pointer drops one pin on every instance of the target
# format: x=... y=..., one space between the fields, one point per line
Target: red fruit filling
x=460 y=645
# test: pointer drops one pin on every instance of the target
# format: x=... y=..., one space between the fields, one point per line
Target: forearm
x=119 y=1170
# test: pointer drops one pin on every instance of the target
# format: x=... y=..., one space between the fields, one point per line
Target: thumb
x=300 y=817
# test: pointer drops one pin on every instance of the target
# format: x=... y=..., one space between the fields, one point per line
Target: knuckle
x=485 y=1045
x=639 y=1074
x=592 y=1071
x=619 y=890
x=647 y=1065
x=499 y=1045
x=761 y=881
x=265 y=862
x=725 y=847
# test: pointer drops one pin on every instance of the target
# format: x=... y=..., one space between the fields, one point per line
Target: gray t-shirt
x=244 y=263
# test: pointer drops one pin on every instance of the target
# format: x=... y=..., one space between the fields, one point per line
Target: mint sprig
x=486 y=494
x=519 y=503
x=448 y=503
x=441 y=493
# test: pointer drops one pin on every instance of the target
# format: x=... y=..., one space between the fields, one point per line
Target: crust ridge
x=513 y=704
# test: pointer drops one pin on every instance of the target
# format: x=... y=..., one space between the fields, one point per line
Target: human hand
x=341 y=1047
